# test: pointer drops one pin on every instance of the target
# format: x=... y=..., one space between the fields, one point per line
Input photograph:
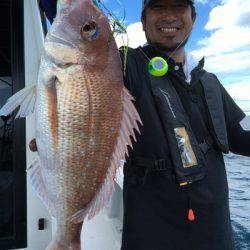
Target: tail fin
x=59 y=243
x=55 y=245
x=25 y=98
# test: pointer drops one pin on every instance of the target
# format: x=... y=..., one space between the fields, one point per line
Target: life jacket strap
x=152 y=164
x=165 y=164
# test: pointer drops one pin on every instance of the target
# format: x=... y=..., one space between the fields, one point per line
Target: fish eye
x=88 y=27
x=89 y=31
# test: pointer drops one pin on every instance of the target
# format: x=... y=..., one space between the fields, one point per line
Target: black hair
x=193 y=12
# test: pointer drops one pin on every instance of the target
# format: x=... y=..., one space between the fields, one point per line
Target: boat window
x=6 y=125
x=6 y=164
x=13 y=219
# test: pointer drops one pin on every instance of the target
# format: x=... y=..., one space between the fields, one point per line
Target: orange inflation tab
x=191 y=216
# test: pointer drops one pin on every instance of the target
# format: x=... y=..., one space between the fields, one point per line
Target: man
x=171 y=203
x=175 y=185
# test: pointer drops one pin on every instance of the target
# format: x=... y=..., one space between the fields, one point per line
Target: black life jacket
x=186 y=153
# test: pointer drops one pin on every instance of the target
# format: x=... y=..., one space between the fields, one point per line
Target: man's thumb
x=32 y=145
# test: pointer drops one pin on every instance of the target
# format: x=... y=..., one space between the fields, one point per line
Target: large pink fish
x=84 y=118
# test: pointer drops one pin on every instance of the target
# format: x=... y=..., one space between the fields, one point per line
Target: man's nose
x=169 y=14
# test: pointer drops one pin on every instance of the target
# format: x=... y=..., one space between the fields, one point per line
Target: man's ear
x=194 y=18
x=143 y=24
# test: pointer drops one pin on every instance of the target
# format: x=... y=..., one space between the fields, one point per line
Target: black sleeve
x=130 y=76
x=49 y=7
x=233 y=113
x=239 y=140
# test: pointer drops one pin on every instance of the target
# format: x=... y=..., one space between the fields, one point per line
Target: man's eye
x=156 y=7
x=181 y=6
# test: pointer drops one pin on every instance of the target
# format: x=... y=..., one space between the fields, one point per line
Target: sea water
x=238 y=170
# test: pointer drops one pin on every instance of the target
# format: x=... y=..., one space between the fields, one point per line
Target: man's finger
x=32 y=145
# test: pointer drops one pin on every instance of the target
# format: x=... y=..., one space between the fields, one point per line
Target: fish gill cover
x=117 y=26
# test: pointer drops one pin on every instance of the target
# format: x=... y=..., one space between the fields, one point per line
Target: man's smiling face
x=167 y=23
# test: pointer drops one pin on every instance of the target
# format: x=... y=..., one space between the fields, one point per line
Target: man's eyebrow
x=155 y=4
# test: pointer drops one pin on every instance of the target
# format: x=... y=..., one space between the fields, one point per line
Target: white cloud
x=225 y=40
x=235 y=62
x=227 y=49
x=239 y=90
x=228 y=14
x=136 y=36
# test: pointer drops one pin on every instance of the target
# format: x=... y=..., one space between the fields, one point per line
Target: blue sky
x=221 y=34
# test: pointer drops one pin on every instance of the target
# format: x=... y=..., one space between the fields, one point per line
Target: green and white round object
x=158 y=66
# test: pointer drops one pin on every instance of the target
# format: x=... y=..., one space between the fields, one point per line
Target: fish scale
x=73 y=102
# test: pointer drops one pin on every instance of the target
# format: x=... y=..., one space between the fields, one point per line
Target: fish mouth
x=60 y=40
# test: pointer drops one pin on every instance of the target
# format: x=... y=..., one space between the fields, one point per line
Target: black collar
x=152 y=52
x=175 y=69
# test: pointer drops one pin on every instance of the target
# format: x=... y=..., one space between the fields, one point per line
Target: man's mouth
x=169 y=30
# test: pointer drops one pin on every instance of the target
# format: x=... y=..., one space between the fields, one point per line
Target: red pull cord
x=191 y=216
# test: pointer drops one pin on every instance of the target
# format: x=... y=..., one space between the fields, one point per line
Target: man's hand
x=32 y=145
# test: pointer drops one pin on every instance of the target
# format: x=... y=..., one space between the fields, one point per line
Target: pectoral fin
x=25 y=99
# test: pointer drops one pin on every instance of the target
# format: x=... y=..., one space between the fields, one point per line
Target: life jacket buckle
x=160 y=164
x=206 y=145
